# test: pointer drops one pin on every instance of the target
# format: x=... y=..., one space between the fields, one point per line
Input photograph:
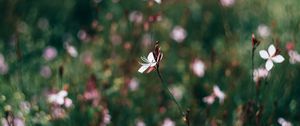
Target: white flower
x=259 y=73
x=58 y=98
x=168 y=122
x=178 y=34
x=283 y=122
x=263 y=30
x=294 y=57
x=158 y=1
x=149 y=63
x=71 y=50
x=270 y=57
x=221 y=95
x=198 y=67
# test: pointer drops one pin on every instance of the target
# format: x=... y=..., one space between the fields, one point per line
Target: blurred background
x=75 y=62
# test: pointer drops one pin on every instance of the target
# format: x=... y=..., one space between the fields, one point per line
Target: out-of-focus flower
x=177 y=92
x=43 y=23
x=140 y=123
x=146 y=40
x=290 y=46
x=105 y=117
x=60 y=98
x=133 y=84
x=221 y=95
x=227 y=3
x=87 y=58
x=294 y=57
x=3 y=65
x=283 y=122
x=270 y=57
x=83 y=35
x=116 y=39
x=25 y=106
x=263 y=30
x=198 y=67
x=259 y=73
x=158 y=1
x=209 y=99
x=49 y=53
x=91 y=93
x=45 y=71
x=136 y=17
x=178 y=34
x=71 y=50
x=16 y=122
x=168 y=122
x=58 y=112
x=217 y=93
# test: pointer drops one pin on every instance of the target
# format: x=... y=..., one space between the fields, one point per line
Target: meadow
x=149 y=62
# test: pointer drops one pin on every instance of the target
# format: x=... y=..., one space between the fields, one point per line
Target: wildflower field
x=149 y=62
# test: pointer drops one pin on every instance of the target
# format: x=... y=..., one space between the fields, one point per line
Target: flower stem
x=185 y=115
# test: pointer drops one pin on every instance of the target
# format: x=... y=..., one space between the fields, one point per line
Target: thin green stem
x=185 y=115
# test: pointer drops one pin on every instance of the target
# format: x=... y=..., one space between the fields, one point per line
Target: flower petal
x=278 y=59
x=151 y=57
x=269 y=65
x=143 y=68
x=264 y=54
x=271 y=50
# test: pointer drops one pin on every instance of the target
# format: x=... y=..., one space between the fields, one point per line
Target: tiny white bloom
x=221 y=95
x=270 y=57
x=149 y=62
x=283 y=122
x=294 y=57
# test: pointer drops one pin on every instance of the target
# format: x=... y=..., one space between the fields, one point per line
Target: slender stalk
x=185 y=115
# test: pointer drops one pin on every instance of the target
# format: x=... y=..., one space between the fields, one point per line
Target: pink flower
x=198 y=67
x=259 y=73
x=227 y=3
x=209 y=99
x=133 y=84
x=16 y=122
x=217 y=93
x=3 y=65
x=168 y=122
x=49 y=53
x=294 y=56
x=178 y=34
